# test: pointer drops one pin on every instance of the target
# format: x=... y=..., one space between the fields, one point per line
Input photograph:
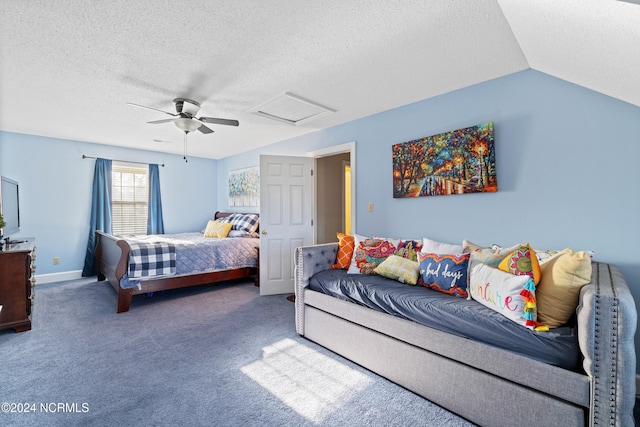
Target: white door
x=286 y=215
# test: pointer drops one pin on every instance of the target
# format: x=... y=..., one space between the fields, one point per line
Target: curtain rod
x=125 y=161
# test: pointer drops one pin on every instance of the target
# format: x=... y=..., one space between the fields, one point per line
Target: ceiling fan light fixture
x=184 y=105
x=187 y=125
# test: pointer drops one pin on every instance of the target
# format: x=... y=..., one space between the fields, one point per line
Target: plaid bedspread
x=151 y=259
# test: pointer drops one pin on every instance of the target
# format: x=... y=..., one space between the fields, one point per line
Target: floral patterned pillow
x=369 y=253
x=522 y=262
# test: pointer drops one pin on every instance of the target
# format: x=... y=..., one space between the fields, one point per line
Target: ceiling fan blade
x=151 y=108
x=156 y=122
x=219 y=121
x=205 y=129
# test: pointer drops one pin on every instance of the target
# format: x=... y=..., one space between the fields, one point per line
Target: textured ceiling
x=68 y=67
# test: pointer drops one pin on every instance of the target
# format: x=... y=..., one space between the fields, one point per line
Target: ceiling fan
x=185 y=117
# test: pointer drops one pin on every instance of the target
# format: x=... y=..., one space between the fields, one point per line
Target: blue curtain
x=100 y=213
x=155 y=223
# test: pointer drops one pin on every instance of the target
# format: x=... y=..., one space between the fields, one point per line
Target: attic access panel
x=291 y=109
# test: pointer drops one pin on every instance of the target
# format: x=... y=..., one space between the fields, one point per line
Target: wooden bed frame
x=112 y=255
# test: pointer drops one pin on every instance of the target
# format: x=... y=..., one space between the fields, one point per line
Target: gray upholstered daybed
x=485 y=384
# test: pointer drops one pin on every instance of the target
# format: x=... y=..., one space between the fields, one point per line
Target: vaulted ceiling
x=68 y=68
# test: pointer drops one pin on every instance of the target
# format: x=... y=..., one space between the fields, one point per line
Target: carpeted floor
x=211 y=355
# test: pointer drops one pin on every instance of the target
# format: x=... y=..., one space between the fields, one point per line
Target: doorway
x=333 y=196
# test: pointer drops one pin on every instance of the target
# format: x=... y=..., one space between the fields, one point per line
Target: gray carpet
x=211 y=355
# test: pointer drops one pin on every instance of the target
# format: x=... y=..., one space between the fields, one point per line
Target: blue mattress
x=451 y=314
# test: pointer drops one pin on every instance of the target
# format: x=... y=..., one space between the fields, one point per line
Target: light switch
x=370 y=207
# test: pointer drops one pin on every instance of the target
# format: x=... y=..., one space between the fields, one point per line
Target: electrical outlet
x=370 y=207
x=56 y=260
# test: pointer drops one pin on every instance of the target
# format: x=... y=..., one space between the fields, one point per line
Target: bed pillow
x=244 y=222
x=510 y=295
x=227 y=218
x=434 y=247
x=558 y=294
x=398 y=268
x=445 y=273
x=217 y=229
x=491 y=256
x=368 y=253
x=522 y=261
x=346 y=244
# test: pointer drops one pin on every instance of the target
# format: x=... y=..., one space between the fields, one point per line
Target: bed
x=113 y=258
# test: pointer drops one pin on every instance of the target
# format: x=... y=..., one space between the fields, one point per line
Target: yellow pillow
x=401 y=269
x=217 y=229
x=522 y=262
x=558 y=293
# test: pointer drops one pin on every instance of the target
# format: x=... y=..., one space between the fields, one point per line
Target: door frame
x=348 y=147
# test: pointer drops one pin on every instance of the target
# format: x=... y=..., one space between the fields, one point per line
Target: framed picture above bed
x=244 y=187
x=455 y=162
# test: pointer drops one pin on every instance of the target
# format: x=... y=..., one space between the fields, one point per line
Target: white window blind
x=130 y=196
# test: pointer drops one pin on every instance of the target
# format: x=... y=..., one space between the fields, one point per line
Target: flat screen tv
x=10 y=205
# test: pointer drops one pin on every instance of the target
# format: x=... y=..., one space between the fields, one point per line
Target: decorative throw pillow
x=409 y=249
x=434 y=247
x=369 y=253
x=512 y=296
x=445 y=273
x=228 y=218
x=545 y=254
x=217 y=229
x=398 y=268
x=491 y=256
x=558 y=293
x=244 y=222
x=345 y=251
x=522 y=261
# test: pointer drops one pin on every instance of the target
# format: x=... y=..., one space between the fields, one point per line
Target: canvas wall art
x=455 y=162
x=244 y=187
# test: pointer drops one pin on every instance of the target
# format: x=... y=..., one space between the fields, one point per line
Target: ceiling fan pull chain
x=185 y=148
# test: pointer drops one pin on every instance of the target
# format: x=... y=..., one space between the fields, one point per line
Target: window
x=130 y=198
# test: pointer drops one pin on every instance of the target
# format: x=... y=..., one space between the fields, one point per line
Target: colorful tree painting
x=455 y=162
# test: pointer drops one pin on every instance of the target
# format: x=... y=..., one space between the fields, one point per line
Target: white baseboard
x=41 y=279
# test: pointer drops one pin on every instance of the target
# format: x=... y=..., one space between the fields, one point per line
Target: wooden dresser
x=17 y=265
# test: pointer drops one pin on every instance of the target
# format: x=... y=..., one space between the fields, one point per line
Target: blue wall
x=55 y=192
x=566 y=158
